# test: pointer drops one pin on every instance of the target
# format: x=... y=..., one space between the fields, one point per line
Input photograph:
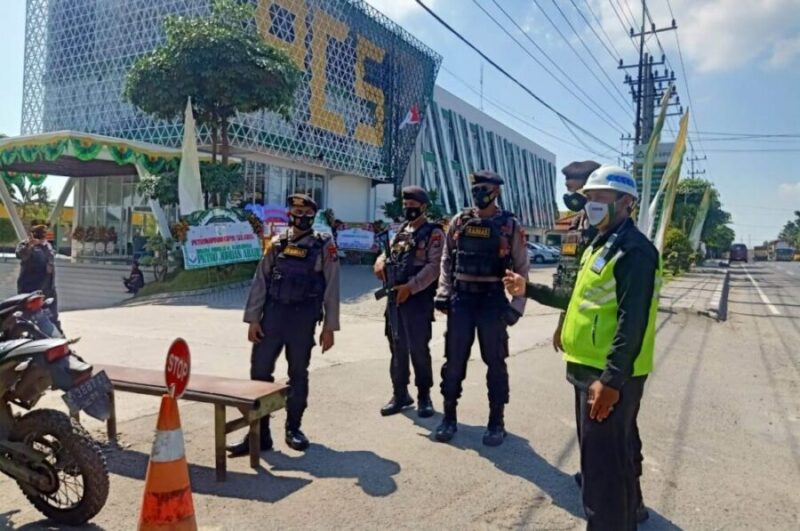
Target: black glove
x=442 y=304
x=511 y=316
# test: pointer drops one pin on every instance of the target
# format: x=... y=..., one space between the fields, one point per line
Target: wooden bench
x=254 y=399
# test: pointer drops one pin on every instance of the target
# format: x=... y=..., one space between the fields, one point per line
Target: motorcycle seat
x=7 y=347
x=9 y=304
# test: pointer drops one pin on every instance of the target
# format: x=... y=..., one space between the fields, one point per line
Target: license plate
x=83 y=396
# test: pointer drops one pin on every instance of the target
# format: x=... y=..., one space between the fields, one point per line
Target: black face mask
x=482 y=197
x=302 y=223
x=575 y=201
x=412 y=213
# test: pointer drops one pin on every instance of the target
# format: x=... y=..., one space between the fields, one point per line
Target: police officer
x=481 y=244
x=608 y=338
x=37 y=270
x=578 y=237
x=416 y=253
x=295 y=286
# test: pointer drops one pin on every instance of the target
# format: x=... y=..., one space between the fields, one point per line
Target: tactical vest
x=573 y=244
x=591 y=321
x=483 y=246
x=405 y=247
x=293 y=278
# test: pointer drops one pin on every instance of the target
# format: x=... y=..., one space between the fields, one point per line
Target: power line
x=630 y=22
x=515 y=113
x=589 y=51
x=614 y=56
x=560 y=82
x=754 y=150
x=602 y=29
x=512 y=78
x=578 y=55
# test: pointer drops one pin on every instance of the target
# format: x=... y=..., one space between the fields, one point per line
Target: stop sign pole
x=178 y=368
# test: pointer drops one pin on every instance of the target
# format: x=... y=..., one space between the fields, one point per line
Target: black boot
x=400 y=400
x=424 y=404
x=296 y=439
x=495 y=430
x=243 y=448
x=449 y=426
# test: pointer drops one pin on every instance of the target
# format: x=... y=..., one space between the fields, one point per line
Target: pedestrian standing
x=415 y=260
x=608 y=338
x=296 y=285
x=481 y=244
x=37 y=271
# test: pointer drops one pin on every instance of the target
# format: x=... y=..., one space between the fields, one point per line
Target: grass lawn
x=188 y=280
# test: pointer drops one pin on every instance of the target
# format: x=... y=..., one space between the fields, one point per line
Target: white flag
x=190 y=189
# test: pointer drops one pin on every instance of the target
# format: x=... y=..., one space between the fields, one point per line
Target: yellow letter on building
x=325 y=26
x=372 y=134
x=264 y=21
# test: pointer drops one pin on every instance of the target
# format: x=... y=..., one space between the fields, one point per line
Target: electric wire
x=614 y=55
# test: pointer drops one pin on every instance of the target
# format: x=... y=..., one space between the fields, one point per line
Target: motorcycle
x=57 y=464
x=27 y=315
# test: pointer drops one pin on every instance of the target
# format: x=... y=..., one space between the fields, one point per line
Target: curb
x=718 y=305
x=175 y=294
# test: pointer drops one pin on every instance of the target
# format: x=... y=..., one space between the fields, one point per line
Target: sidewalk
x=701 y=291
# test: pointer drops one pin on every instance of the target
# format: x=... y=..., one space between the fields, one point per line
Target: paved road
x=720 y=423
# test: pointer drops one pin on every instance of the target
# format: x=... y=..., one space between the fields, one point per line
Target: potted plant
x=111 y=240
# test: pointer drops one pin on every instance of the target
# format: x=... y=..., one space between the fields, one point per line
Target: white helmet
x=612 y=178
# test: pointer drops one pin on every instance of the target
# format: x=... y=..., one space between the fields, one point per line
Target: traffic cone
x=167 y=502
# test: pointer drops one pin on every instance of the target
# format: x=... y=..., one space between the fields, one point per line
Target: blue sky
x=741 y=58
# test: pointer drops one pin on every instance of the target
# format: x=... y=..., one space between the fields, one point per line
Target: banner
x=355 y=240
x=700 y=219
x=220 y=237
x=190 y=191
x=647 y=168
x=670 y=181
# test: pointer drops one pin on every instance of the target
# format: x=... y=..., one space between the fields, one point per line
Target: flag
x=647 y=166
x=412 y=117
x=671 y=175
x=190 y=190
x=700 y=219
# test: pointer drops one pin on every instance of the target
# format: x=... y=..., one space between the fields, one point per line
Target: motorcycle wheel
x=78 y=461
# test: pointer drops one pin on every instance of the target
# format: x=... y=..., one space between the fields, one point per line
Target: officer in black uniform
x=295 y=286
x=481 y=244
x=415 y=259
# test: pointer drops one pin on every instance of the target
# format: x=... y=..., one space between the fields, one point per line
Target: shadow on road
x=372 y=472
x=44 y=523
x=258 y=485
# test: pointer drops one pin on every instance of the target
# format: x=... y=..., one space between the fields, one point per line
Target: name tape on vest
x=297 y=252
x=478 y=232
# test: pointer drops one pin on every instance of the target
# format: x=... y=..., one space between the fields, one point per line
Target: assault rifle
x=389 y=282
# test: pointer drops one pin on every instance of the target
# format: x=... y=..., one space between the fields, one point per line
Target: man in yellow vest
x=608 y=339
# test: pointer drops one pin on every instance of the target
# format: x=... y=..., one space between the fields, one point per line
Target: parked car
x=540 y=254
x=738 y=253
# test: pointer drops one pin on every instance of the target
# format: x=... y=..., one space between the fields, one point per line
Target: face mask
x=303 y=223
x=412 y=213
x=600 y=214
x=482 y=197
x=575 y=201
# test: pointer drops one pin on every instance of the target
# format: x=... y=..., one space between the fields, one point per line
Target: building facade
x=457 y=139
x=343 y=144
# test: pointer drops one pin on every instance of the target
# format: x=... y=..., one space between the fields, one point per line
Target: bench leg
x=219 y=441
x=255 y=443
x=111 y=423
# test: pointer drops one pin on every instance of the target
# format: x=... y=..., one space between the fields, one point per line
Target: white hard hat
x=612 y=178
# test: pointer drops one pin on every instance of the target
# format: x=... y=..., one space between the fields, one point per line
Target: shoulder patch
x=333 y=252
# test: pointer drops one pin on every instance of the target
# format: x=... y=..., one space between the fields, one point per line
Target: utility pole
x=648 y=87
x=693 y=172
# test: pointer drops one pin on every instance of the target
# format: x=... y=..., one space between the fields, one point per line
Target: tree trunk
x=214 y=132
x=224 y=134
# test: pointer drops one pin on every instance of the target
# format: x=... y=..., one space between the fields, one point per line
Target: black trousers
x=291 y=326
x=611 y=459
x=415 y=318
x=482 y=312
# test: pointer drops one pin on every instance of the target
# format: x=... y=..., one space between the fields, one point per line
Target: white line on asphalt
x=761 y=294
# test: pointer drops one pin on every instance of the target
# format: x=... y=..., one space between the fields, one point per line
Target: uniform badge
x=477 y=232
x=598 y=264
x=295 y=252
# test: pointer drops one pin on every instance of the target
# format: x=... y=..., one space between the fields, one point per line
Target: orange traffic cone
x=167 y=502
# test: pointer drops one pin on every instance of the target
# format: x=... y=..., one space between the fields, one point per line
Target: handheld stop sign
x=178 y=367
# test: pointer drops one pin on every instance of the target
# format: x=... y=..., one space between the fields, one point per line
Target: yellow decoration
x=325 y=27
x=372 y=134
x=296 y=49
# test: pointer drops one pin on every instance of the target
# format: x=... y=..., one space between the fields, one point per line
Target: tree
x=791 y=231
x=32 y=201
x=219 y=181
x=717 y=236
x=219 y=61
x=678 y=253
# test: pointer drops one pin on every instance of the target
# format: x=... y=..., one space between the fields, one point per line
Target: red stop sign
x=178 y=368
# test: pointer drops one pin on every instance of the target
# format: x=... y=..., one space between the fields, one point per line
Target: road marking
x=761 y=293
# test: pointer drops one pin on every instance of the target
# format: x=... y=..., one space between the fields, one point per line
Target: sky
x=741 y=59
